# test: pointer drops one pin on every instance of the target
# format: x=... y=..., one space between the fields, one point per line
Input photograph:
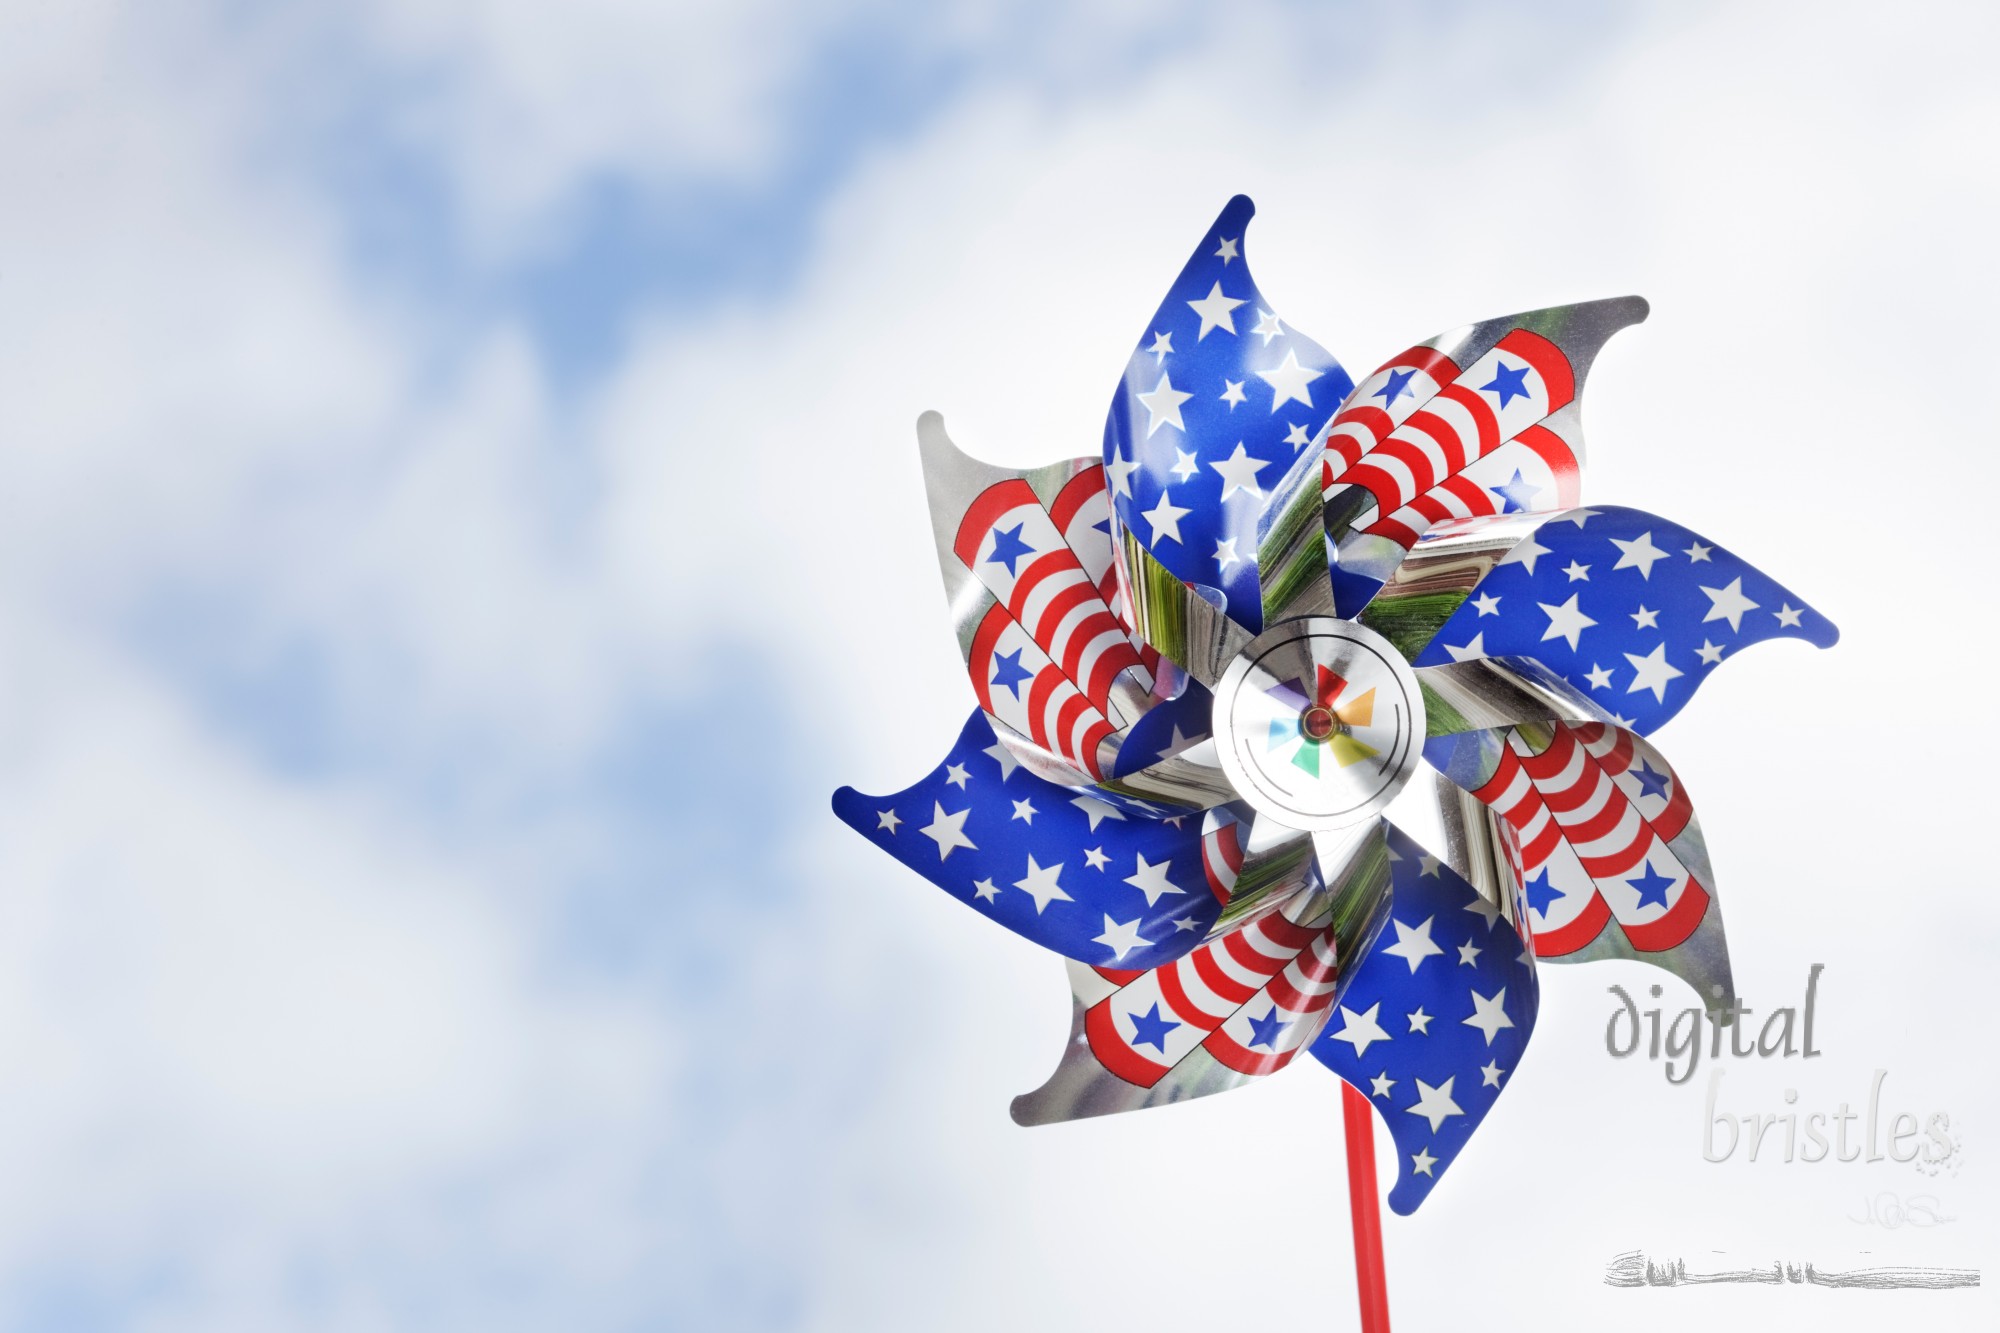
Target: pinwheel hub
x=1319 y=722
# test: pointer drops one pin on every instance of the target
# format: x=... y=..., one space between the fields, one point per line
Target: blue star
x=1508 y=382
x=1008 y=673
x=1516 y=496
x=1541 y=893
x=1264 y=1031
x=1654 y=784
x=1102 y=525
x=1149 y=1029
x=1397 y=387
x=1652 y=887
x=1008 y=547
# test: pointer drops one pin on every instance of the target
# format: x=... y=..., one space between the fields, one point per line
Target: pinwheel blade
x=1598 y=832
x=1476 y=422
x=1433 y=1013
x=1631 y=610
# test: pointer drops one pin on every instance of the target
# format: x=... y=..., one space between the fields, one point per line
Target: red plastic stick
x=1361 y=1194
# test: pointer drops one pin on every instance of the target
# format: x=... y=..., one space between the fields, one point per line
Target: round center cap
x=1318 y=723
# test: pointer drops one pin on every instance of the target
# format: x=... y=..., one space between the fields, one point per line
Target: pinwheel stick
x=1362 y=1196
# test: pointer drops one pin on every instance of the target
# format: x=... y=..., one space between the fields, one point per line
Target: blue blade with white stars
x=1216 y=413
x=1431 y=1024
x=1630 y=608
x=1095 y=876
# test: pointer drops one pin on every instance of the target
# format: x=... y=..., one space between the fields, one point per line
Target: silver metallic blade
x=1292 y=551
x=1191 y=778
x=1488 y=692
x=1176 y=620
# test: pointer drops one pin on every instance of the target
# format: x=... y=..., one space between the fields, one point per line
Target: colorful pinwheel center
x=1317 y=723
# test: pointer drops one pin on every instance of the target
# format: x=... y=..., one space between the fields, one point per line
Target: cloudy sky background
x=459 y=519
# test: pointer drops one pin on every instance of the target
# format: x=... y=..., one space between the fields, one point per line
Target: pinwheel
x=1207 y=661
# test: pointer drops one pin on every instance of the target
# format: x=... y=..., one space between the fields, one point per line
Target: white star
x=1024 y=811
x=1576 y=571
x=1268 y=326
x=1163 y=406
x=1151 y=880
x=1565 y=621
x=1789 y=615
x=1297 y=437
x=1476 y=647
x=1728 y=604
x=1487 y=604
x=1163 y=343
x=1095 y=858
x=1651 y=672
x=1232 y=393
x=1420 y=1021
x=1413 y=945
x=1599 y=678
x=1214 y=311
x=887 y=819
x=1421 y=1162
x=1226 y=251
x=1289 y=381
x=1121 y=939
x=1526 y=552
x=947 y=831
x=986 y=889
x=1639 y=554
x=1185 y=923
x=1239 y=472
x=1645 y=619
x=1428 y=865
x=1489 y=1074
x=1003 y=757
x=1361 y=1030
x=1382 y=1083
x=1166 y=519
x=1435 y=1104
x=1040 y=884
x=1709 y=653
x=1097 y=810
x=1468 y=954
x=957 y=776
x=1698 y=553
x=1576 y=516
x=1486 y=910
x=1120 y=470
x=1487 y=1014
x=1185 y=464
x=1225 y=553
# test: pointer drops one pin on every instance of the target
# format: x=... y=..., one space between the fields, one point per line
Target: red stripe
x=1555 y=451
x=980 y=656
x=1045 y=565
x=1076 y=492
x=1074 y=706
x=1093 y=740
x=1176 y=996
x=1100 y=1026
x=1619 y=757
x=1118 y=976
x=1616 y=864
x=1413 y=456
x=1537 y=852
x=1222 y=842
x=1483 y=421
x=1047 y=681
x=1573 y=936
x=1548 y=361
x=1217 y=980
x=1229 y=1053
x=1427 y=359
x=1118 y=658
x=1616 y=803
x=1052 y=617
x=1285 y=933
x=1675 y=927
x=987 y=509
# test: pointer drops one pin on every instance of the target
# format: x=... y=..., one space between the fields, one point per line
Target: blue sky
x=459 y=520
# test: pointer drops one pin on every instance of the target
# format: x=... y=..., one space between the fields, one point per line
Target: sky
x=460 y=519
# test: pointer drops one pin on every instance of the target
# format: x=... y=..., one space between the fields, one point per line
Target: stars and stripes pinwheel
x=1206 y=661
